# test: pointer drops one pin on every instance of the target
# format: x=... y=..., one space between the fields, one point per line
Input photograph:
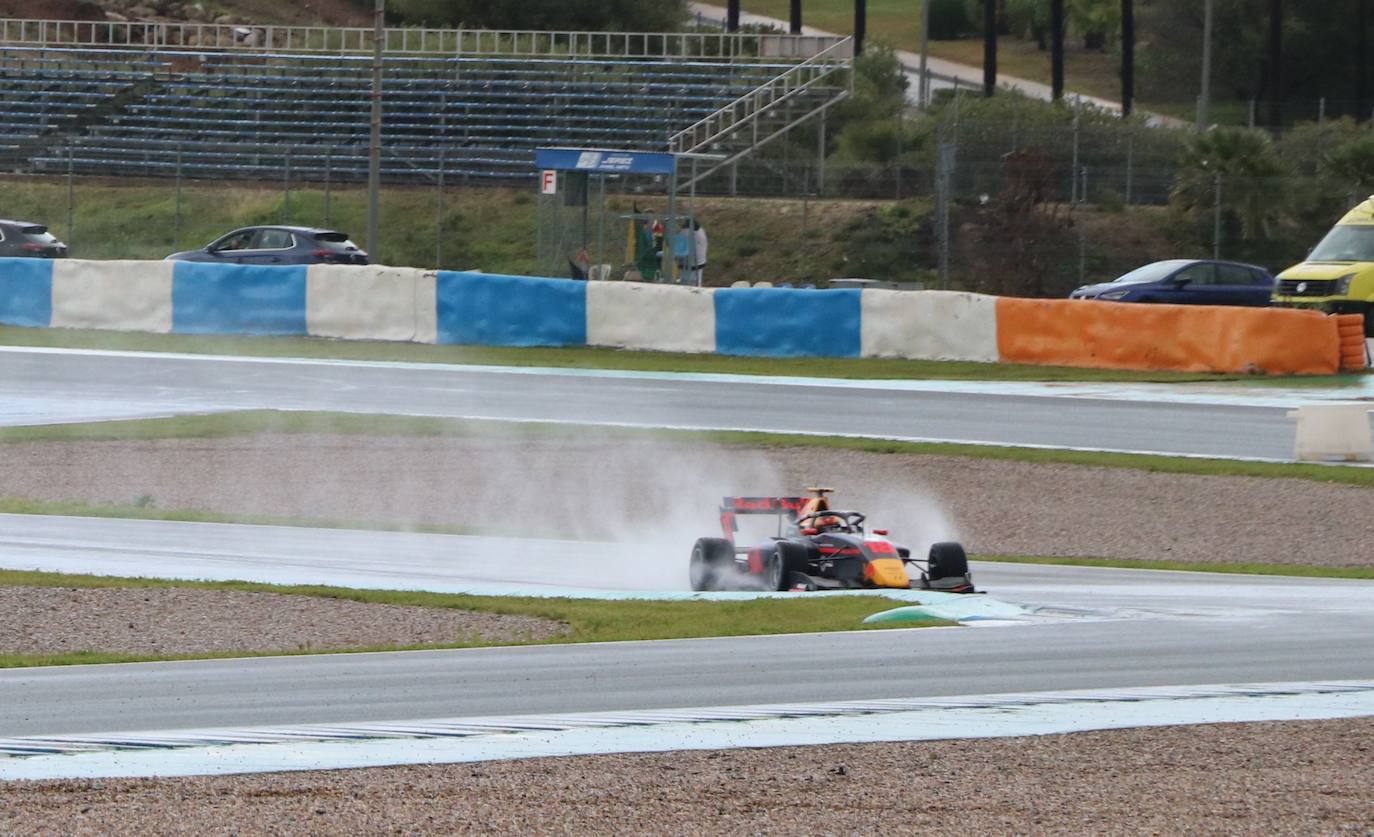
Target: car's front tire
x=947 y=559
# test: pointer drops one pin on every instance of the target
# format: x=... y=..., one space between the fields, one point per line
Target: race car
x=818 y=548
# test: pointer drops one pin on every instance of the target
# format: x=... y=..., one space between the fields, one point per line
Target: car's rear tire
x=946 y=560
x=710 y=557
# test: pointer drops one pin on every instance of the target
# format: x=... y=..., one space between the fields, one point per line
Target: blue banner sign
x=596 y=160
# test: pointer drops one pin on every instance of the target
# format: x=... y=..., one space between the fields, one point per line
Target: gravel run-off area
x=152 y=621
x=599 y=487
x=1270 y=778
x=1312 y=777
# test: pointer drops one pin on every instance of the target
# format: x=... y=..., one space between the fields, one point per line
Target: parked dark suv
x=1187 y=282
x=25 y=240
x=277 y=245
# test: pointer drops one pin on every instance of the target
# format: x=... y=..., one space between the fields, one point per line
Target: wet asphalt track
x=1091 y=628
x=1096 y=629
x=44 y=386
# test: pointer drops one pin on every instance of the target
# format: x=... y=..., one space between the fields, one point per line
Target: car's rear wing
x=730 y=507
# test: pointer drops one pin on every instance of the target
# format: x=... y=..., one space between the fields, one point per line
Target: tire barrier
x=1185 y=338
x=1350 y=330
x=407 y=304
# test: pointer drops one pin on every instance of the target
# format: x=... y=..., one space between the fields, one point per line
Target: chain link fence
x=1012 y=206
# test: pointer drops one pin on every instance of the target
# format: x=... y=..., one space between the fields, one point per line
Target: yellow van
x=1338 y=275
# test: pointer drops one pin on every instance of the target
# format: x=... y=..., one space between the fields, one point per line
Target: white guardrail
x=412 y=40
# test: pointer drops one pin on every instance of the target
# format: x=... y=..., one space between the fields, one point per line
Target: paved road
x=1095 y=629
x=1073 y=654
x=55 y=386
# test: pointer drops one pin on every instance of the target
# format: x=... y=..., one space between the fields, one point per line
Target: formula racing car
x=818 y=548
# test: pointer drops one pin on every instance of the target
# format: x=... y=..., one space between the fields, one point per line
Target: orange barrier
x=1350 y=327
x=1185 y=338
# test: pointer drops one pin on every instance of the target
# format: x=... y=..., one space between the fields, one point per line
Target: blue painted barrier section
x=26 y=292
x=238 y=299
x=494 y=310
x=786 y=322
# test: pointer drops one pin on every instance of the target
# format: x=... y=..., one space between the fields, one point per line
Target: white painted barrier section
x=929 y=325
x=114 y=295
x=664 y=318
x=370 y=302
x=1333 y=431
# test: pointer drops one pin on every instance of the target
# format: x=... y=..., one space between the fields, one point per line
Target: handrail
x=790 y=82
x=173 y=35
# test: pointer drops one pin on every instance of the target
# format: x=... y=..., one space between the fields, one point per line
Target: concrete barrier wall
x=121 y=296
x=26 y=292
x=931 y=325
x=370 y=303
x=382 y=303
x=1187 y=338
x=788 y=322
x=495 y=310
x=238 y=299
x=663 y=318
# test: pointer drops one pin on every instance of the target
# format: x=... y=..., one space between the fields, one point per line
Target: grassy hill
x=495 y=230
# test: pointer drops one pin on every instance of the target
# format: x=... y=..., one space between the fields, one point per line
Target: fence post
x=942 y=198
x=286 y=188
x=820 y=157
x=1082 y=253
x=439 y=213
x=1216 y=217
x=1015 y=125
x=1321 y=122
x=328 y=186
x=176 y=221
x=1073 y=169
x=1130 y=163
x=898 y=195
x=71 y=196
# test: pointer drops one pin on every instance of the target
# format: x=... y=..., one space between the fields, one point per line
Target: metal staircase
x=802 y=93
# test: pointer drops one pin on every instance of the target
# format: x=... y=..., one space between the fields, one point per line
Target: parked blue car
x=1187 y=282
x=277 y=245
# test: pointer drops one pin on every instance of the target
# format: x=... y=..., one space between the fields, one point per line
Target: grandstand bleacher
x=251 y=112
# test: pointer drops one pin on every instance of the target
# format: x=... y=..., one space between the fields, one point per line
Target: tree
x=1353 y=165
x=865 y=125
x=1249 y=172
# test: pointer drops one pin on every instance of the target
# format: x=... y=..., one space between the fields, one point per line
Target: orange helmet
x=820 y=504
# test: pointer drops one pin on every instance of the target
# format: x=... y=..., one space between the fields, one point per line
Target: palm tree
x=1246 y=167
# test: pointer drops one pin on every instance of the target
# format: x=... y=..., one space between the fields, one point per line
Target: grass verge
x=600 y=358
x=1296 y=570
x=589 y=620
x=254 y=422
